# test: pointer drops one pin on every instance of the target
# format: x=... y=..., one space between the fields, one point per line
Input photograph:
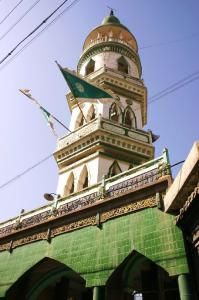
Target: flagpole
x=60 y=122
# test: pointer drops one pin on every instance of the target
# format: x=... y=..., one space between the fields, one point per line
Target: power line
x=170 y=42
x=39 y=33
x=174 y=87
x=5 y=18
x=17 y=22
x=33 y=31
x=25 y=171
x=168 y=167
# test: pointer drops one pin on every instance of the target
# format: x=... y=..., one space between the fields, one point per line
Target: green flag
x=82 y=89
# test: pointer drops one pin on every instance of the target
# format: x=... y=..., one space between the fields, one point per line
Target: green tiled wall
x=95 y=253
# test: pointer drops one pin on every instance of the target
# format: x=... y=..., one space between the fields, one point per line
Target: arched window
x=115 y=113
x=91 y=113
x=83 y=179
x=114 y=169
x=79 y=121
x=129 y=118
x=90 y=67
x=123 y=65
x=69 y=188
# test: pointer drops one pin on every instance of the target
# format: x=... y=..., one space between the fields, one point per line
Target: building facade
x=106 y=236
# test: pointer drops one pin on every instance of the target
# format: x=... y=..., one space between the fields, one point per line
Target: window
x=83 y=179
x=69 y=188
x=114 y=169
x=129 y=118
x=79 y=121
x=123 y=65
x=91 y=113
x=90 y=67
x=114 y=113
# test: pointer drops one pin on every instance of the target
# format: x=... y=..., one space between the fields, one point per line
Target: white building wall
x=109 y=59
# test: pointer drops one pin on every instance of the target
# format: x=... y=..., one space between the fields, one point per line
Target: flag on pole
x=45 y=113
x=48 y=118
x=82 y=89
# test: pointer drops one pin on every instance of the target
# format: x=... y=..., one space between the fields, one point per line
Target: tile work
x=95 y=253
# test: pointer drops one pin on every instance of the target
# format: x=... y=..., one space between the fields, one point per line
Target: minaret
x=112 y=139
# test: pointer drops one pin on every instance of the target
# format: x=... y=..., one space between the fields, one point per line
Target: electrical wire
x=5 y=18
x=19 y=20
x=25 y=171
x=168 y=167
x=174 y=87
x=33 y=31
x=39 y=33
x=170 y=42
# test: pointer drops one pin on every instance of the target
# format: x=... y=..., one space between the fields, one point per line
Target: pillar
x=184 y=287
x=98 y=293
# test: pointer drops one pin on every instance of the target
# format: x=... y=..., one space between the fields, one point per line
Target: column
x=98 y=293
x=185 y=287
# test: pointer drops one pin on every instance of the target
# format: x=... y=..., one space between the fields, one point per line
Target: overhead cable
x=39 y=33
x=33 y=31
x=5 y=18
x=19 y=20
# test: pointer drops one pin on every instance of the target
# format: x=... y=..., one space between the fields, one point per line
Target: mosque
x=110 y=232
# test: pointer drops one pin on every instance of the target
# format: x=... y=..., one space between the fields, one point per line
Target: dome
x=113 y=30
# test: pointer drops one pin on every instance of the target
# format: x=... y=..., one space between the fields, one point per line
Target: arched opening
x=123 y=65
x=48 y=280
x=90 y=67
x=83 y=179
x=114 y=169
x=115 y=113
x=91 y=113
x=79 y=121
x=129 y=118
x=69 y=187
x=138 y=278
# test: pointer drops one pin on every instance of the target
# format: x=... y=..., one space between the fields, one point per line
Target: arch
x=46 y=278
x=91 y=115
x=139 y=276
x=122 y=65
x=115 y=113
x=90 y=67
x=79 y=121
x=129 y=119
x=114 y=169
x=83 y=179
x=69 y=187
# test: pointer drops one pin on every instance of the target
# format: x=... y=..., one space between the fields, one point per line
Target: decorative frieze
x=49 y=233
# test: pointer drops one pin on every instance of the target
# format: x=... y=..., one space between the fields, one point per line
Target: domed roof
x=111 y=29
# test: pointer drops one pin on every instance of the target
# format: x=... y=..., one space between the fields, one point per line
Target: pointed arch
x=90 y=67
x=79 y=121
x=122 y=65
x=115 y=113
x=83 y=179
x=70 y=186
x=129 y=119
x=114 y=169
x=91 y=115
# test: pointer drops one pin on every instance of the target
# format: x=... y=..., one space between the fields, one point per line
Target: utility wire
x=25 y=171
x=5 y=18
x=19 y=20
x=168 y=167
x=170 y=42
x=33 y=31
x=39 y=33
x=174 y=87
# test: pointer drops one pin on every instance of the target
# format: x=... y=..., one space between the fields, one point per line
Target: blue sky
x=167 y=33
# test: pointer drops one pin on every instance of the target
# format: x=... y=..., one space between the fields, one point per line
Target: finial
x=111 y=10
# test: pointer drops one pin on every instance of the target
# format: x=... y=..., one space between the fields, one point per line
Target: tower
x=108 y=138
